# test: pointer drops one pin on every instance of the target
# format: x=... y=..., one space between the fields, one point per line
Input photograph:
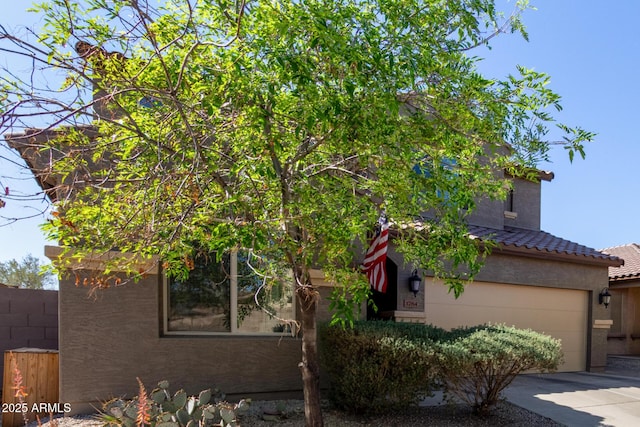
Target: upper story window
x=509 y=206
x=426 y=169
x=509 y=201
x=227 y=297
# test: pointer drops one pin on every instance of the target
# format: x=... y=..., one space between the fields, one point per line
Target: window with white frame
x=241 y=287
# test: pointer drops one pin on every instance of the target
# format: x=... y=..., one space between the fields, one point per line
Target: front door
x=387 y=302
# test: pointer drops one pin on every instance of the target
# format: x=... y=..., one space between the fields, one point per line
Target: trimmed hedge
x=378 y=366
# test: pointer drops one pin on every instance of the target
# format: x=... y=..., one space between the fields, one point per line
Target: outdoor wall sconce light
x=414 y=283
x=604 y=297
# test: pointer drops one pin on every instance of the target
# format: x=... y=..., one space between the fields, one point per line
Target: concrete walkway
x=580 y=398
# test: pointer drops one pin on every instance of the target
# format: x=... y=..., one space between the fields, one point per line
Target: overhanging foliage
x=279 y=127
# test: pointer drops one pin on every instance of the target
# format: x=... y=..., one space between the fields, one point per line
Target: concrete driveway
x=579 y=398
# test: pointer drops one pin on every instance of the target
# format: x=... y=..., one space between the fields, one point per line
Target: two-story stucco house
x=155 y=330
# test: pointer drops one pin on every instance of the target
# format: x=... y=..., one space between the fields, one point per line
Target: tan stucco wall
x=502 y=268
x=526 y=204
x=108 y=341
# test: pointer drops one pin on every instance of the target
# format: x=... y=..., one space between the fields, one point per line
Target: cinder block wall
x=28 y=318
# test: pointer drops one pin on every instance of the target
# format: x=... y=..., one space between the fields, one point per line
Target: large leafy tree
x=26 y=273
x=283 y=128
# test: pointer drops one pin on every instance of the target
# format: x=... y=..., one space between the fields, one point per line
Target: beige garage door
x=561 y=313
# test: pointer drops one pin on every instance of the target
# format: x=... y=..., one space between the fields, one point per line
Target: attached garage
x=560 y=313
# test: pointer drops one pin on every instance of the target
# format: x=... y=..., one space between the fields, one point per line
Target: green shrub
x=411 y=331
x=160 y=409
x=379 y=366
x=478 y=363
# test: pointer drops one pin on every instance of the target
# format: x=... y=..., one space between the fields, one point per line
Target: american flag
x=376 y=257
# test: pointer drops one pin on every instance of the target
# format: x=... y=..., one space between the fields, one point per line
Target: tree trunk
x=310 y=366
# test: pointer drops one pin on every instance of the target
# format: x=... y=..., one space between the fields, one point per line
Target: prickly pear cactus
x=178 y=410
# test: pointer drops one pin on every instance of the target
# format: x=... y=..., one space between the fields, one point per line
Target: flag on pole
x=376 y=257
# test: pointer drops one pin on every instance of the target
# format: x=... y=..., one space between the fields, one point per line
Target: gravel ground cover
x=505 y=414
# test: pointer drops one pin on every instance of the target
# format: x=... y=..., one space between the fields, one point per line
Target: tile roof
x=631 y=268
x=541 y=243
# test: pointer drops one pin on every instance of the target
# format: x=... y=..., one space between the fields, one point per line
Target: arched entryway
x=387 y=302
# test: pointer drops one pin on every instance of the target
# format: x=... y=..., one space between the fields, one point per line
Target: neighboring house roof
x=631 y=268
x=541 y=244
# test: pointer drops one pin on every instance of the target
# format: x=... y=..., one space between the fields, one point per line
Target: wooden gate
x=30 y=385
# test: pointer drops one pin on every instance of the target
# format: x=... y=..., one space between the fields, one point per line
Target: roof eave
x=535 y=174
x=556 y=256
x=625 y=278
x=29 y=144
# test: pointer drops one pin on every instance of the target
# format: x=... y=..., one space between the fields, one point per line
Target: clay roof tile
x=543 y=243
x=631 y=268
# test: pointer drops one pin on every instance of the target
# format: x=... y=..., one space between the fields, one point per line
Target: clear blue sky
x=591 y=49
